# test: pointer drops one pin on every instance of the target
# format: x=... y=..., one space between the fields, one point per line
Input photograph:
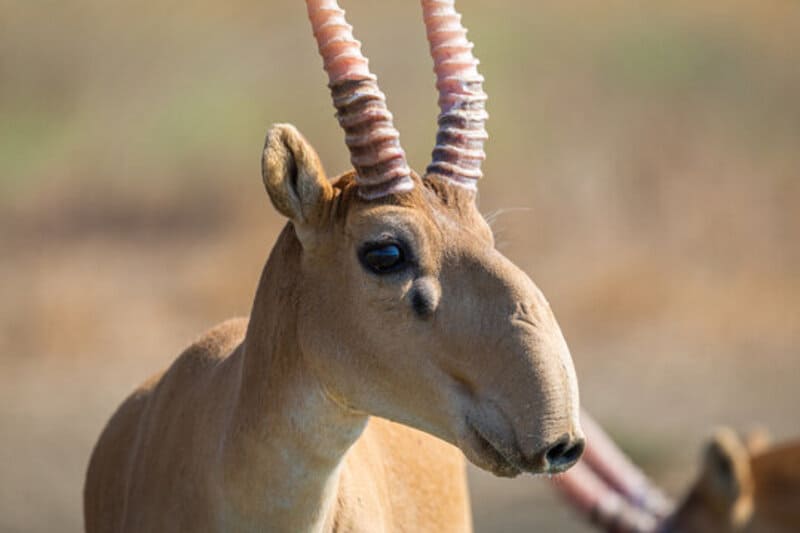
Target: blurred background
x=643 y=167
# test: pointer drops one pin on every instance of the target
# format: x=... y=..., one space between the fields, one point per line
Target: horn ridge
x=373 y=141
x=458 y=153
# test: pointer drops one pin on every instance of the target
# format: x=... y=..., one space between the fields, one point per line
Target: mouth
x=503 y=458
x=483 y=453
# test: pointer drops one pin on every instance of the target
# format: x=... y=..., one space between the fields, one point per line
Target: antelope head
x=405 y=308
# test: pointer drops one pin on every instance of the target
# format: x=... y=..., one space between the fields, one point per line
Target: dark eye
x=383 y=258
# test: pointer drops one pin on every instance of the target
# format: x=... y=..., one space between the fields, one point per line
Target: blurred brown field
x=643 y=167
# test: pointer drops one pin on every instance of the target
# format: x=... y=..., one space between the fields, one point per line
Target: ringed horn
x=373 y=141
x=458 y=154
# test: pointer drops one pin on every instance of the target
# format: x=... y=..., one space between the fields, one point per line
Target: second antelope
x=384 y=296
x=745 y=485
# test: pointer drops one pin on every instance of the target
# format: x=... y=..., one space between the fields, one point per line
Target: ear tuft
x=757 y=440
x=293 y=175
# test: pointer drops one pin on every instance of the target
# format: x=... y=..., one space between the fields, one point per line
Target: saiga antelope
x=744 y=486
x=384 y=296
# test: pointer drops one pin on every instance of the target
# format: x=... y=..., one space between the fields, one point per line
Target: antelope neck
x=287 y=438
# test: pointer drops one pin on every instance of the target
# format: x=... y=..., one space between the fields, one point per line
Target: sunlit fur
x=266 y=424
x=744 y=486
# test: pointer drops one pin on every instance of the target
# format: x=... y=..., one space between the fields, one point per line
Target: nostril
x=555 y=453
x=564 y=453
x=575 y=451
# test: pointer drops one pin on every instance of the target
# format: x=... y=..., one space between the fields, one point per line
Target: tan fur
x=745 y=486
x=272 y=424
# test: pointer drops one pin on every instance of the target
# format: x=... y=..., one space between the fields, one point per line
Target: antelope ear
x=727 y=464
x=293 y=175
x=728 y=476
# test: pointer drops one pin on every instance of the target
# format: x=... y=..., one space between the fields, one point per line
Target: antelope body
x=383 y=299
x=744 y=486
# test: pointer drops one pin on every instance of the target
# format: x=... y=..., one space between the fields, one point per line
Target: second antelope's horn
x=458 y=154
x=374 y=143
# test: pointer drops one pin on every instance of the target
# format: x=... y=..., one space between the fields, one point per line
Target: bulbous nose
x=562 y=454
